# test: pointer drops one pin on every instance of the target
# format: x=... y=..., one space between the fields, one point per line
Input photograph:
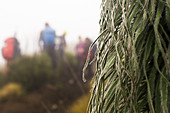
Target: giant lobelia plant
x=133 y=58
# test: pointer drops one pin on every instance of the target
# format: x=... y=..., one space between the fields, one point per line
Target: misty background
x=26 y=18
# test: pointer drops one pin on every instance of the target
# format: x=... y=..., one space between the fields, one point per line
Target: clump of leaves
x=133 y=58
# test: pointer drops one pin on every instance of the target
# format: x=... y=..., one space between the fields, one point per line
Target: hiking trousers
x=50 y=49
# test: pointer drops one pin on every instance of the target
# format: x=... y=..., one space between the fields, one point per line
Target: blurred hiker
x=47 y=43
x=62 y=45
x=11 y=50
x=79 y=50
x=87 y=44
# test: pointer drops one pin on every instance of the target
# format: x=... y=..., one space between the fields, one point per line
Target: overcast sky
x=27 y=18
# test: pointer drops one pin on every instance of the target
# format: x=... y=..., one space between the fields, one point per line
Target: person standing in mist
x=62 y=44
x=47 y=43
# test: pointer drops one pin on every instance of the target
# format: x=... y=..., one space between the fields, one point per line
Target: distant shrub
x=31 y=71
x=11 y=90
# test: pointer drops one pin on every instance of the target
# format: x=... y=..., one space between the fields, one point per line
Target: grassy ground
x=58 y=95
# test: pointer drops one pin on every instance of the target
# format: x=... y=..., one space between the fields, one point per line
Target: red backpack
x=11 y=49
